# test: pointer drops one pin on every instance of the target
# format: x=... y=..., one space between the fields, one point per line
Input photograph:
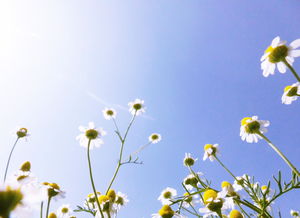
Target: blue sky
x=196 y=65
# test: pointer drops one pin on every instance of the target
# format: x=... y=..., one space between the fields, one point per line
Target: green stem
x=279 y=153
x=9 y=157
x=48 y=206
x=91 y=178
x=41 y=213
x=121 y=154
x=291 y=69
x=225 y=168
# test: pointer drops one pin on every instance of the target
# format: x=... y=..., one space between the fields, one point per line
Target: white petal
x=275 y=42
x=295 y=53
x=264 y=56
x=295 y=44
x=281 y=67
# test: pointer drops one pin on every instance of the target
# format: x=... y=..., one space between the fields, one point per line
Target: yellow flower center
x=112 y=195
x=287 y=88
x=226 y=184
x=22 y=132
x=25 y=166
x=269 y=49
x=9 y=199
x=167 y=194
x=109 y=112
x=52 y=215
x=91 y=134
x=166 y=212
x=278 y=54
x=65 y=210
x=235 y=214
x=208 y=195
x=244 y=121
x=103 y=199
x=188 y=197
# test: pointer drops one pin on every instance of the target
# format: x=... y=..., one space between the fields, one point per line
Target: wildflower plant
x=242 y=196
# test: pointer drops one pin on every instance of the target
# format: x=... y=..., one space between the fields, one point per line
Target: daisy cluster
x=281 y=55
x=22 y=195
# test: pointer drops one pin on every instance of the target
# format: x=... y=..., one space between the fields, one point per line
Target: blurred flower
x=10 y=199
x=90 y=133
x=277 y=53
x=295 y=214
x=189 y=200
x=136 y=107
x=210 y=151
x=64 y=211
x=188 y=160
x=166 y=212
x=109 y=113
x=291 y=93
x=235 y=214
x=54 y=190
x=121 y=200
x=229 y=189
x=240 y=182
x=52 y=215
x=251 y=126
x=154 y=138
x=166 y=195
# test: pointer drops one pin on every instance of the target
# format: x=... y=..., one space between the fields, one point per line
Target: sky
x=195 y=63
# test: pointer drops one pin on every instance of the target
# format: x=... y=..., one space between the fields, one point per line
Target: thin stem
x=91 y=178
x=291 y=69
x=140 y=149
x=9 y=157
x=279 y=153
x=41 y=213
x=115 y=123
x=225 y=168
x=48 y=206
x=121 y=154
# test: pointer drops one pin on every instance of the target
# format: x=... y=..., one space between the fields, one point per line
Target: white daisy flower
x=215 y=202
x=90 y=133
x=188 y=160
x=295 y=213
x=109 y=113
x=191 y=181
x=210 y=151
x=21 y=132
x=277 y=53
x=166 y=211
x=121 y=200
x=250 y=126
x=64 y=211
x=190 y=200
x=166 y=195
x=54 y=191
x=228 y=188
x=136 y=107
x=154 y=138
x=291 y=93
x=239 y=182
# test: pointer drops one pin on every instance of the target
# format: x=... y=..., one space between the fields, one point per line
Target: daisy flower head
x=64 y=211
x=21 y=132
x=54 y=190
x=90 y=134
x=10 y=199
x=188 y=160
x=109 y=113
x=295 y=213
x=235 y=214
x=210 y=151
x=136 y=107
x=52 y=215
x=166 y=212
x=291 y=93
x=251 y=127
x=240 y=182
x=121 y=200
x=278 y=54
x=215 y=203
x=228 y=188
x=191 y=181
x=154 y=138
x=189 y=200
x=166 y=195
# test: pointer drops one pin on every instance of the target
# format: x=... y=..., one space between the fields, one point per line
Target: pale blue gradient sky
x=195 y=63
